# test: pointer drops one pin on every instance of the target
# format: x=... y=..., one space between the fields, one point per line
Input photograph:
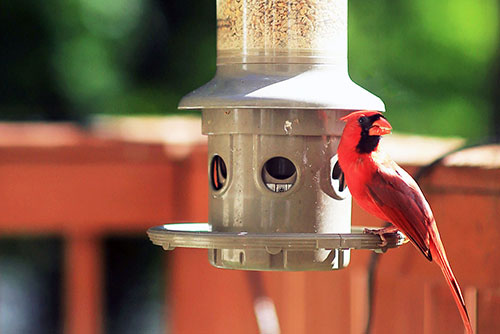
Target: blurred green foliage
x=432 y=62
x=67 y=59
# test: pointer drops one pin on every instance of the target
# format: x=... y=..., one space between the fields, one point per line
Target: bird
x=387 y=191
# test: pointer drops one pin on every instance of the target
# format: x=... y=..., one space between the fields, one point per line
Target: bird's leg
x=380 y=232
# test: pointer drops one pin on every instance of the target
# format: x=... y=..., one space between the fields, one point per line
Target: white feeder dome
x=277 y=197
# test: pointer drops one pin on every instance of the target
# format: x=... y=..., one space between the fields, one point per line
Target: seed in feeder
x=281 y=24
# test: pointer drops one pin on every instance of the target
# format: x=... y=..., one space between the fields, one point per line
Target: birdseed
x=281 y=24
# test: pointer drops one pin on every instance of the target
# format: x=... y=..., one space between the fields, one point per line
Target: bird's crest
x=359 y=113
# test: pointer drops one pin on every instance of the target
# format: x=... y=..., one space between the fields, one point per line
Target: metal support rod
x=264 y=308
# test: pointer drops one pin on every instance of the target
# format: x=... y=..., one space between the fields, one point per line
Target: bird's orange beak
x=380 y=127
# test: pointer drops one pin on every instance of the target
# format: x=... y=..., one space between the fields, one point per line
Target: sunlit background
x=436 y=65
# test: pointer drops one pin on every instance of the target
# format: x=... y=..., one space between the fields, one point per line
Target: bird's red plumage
x=388 y=192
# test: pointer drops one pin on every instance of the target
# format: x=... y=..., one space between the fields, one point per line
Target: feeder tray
x=200 y=235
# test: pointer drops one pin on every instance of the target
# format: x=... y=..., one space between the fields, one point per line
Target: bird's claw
x=380 y=232
x=383 y=240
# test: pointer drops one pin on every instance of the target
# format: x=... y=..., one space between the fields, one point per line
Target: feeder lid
x=282 y=86
x=200 y=235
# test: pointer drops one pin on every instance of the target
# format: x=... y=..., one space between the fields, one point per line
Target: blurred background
x=436 y=65
x=70 y=60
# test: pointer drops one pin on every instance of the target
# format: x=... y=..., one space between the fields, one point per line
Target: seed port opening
x=280 y=168
x=339 y=188
x=279 y=174
x=218 y=172
x=338 y=175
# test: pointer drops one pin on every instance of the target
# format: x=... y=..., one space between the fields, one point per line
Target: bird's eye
x=362 y=119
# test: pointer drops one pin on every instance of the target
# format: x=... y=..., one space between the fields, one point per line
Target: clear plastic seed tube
x=281 y=31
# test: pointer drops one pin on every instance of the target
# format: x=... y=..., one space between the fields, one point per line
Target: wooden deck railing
x=81 y=185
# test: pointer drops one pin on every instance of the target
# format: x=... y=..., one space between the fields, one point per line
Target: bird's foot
x=380 y=232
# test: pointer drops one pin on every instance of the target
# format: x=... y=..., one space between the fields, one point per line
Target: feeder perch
x=277 y=199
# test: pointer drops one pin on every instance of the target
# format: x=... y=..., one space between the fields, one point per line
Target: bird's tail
x=439 y=255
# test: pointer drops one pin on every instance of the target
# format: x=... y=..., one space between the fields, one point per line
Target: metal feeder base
x=276 y=251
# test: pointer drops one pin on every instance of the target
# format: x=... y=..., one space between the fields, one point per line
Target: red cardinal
x=385 y=190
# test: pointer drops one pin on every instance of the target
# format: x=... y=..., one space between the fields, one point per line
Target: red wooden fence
x=61 y=180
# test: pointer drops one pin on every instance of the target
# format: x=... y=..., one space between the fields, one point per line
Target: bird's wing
x=398 y=196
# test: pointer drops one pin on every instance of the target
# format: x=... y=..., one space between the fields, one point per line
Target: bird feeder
x=277 y=200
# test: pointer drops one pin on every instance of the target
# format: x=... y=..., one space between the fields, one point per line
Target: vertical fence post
x=83 y=289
